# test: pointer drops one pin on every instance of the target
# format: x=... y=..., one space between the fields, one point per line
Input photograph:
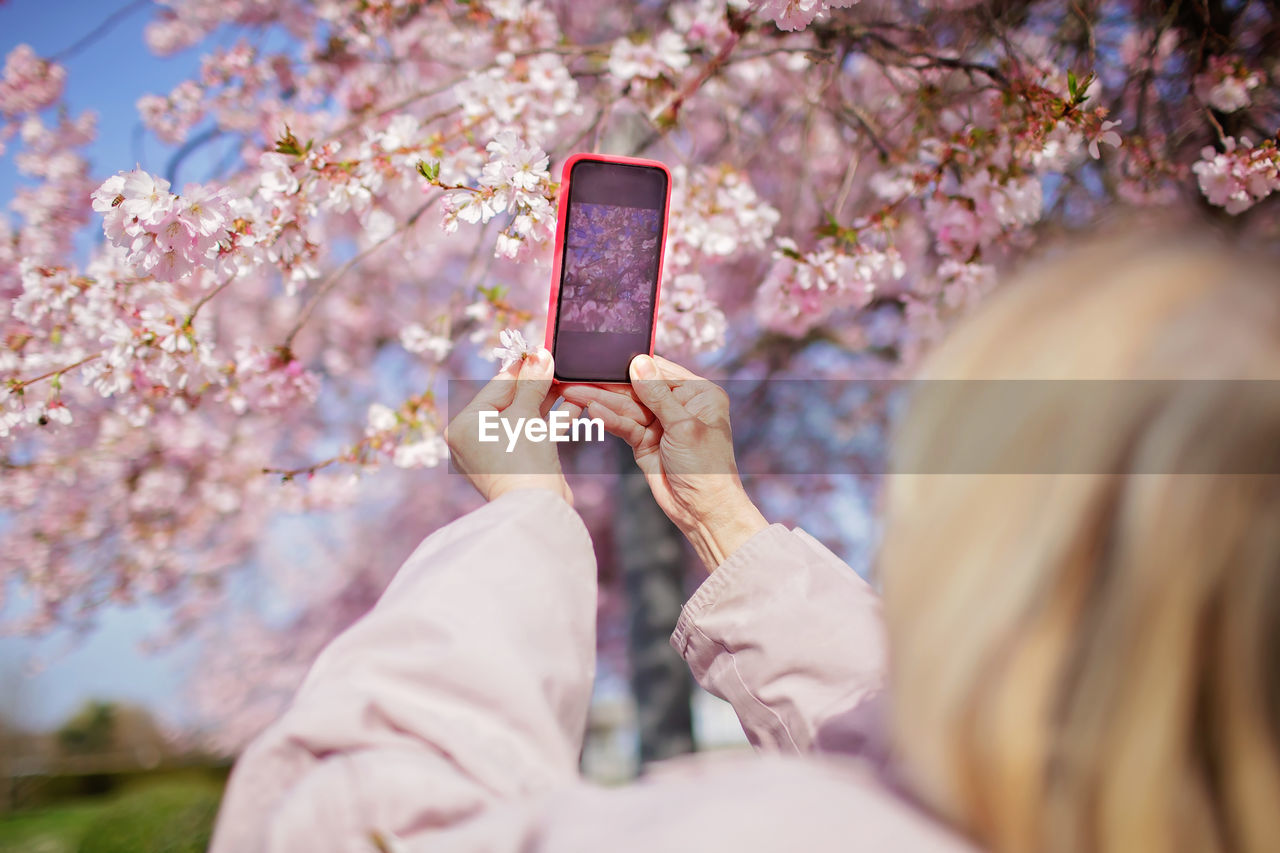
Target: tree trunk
x=651 y=557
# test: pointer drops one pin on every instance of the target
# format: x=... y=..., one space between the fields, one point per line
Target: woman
x=1084 y=613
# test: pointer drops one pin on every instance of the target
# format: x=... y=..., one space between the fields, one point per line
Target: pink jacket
x=450 y=717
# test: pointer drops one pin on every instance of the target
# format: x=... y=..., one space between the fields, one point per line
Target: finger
x=549 y=402
x=649 y=461
x=625 y=390
x=499 y=391
x=533 y=384
x=654 y=392
x=614 y=424
x=622 y=404
x=574 y=411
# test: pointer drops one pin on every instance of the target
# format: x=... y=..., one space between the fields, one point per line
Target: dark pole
x=651 y=556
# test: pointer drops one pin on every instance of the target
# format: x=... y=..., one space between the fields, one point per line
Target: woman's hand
x=677 y=423
x=522 y=390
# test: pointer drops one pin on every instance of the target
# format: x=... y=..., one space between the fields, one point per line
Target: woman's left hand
x=519 y=394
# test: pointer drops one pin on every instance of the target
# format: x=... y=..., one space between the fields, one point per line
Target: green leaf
x=430 y=171
x=288 y=144
x=1084 y=86
x=494 y=293
x=1072 y=84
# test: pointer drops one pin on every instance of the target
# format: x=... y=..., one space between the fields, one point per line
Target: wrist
x=716 y=535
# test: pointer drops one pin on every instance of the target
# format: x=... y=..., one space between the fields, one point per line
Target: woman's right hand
x=677 y=423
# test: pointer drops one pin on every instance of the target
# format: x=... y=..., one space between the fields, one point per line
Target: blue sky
x=107 y=76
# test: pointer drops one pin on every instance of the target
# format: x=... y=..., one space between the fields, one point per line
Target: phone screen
x=609 y=271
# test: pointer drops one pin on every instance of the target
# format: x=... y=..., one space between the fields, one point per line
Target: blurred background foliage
x=107 y=780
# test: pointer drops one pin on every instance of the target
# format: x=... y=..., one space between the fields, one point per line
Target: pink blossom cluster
x=970 y=214
x=802 y=288
x=965 y=284
x=404 y=436
x=514 y=181
x=415 y=338
x=171 y=117
x=183 y=23
x=703 y=23
x=1227 y=84
x=716 y=212
x=666 y=55
x=798 y=14
x=715 y=215
x=29 y=83
x=269 y=382
x=689 y=320
x=1240 y=175
x=164 y=234
x=53 y=206
x=530 y=96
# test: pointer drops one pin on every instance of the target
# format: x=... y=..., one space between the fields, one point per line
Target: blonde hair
x=1083 y=602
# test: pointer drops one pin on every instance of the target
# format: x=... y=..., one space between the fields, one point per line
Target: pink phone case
x=562 y=217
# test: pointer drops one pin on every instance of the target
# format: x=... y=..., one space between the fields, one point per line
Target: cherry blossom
x=689 y=320
x=29 y=83
x=514 y=348
x=165 y=234
x=183 y=365
x=1104 y=136
x=1240 y=175
x=664 y=55
x=416 y=339
x=1227 y=84
x=798 y=14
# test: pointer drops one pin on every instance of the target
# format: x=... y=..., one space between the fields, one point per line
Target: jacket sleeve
x=467 y=682
x=790 y=636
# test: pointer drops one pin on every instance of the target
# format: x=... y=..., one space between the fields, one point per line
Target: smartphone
x=610 y=235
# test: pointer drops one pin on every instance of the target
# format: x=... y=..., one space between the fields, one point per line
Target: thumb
x=654 y=391
x=499 y=391
x=533 y=383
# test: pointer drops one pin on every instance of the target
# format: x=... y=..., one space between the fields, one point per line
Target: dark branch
x=101 y=30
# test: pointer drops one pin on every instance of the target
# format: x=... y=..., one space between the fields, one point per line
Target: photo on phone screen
x=609 y=270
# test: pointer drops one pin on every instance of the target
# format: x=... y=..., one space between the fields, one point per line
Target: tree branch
x=329 y=283
x=19 y=385
x=102 y=29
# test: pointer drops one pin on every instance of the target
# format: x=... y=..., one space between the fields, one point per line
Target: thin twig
x=18 y=386
x=102 y=29
x=195 y=309
x=329 y=283
x=933 y=60
x=1217 y=126
x=667 y=114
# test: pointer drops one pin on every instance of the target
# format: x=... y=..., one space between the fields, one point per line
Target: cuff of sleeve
x=546 y=502
x=724 y=577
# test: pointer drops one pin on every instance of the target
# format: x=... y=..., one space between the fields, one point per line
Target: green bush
x=54 y=829
x=174 y=818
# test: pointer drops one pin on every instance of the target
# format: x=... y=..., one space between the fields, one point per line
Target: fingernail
x=540 y=360
x=642 y=367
